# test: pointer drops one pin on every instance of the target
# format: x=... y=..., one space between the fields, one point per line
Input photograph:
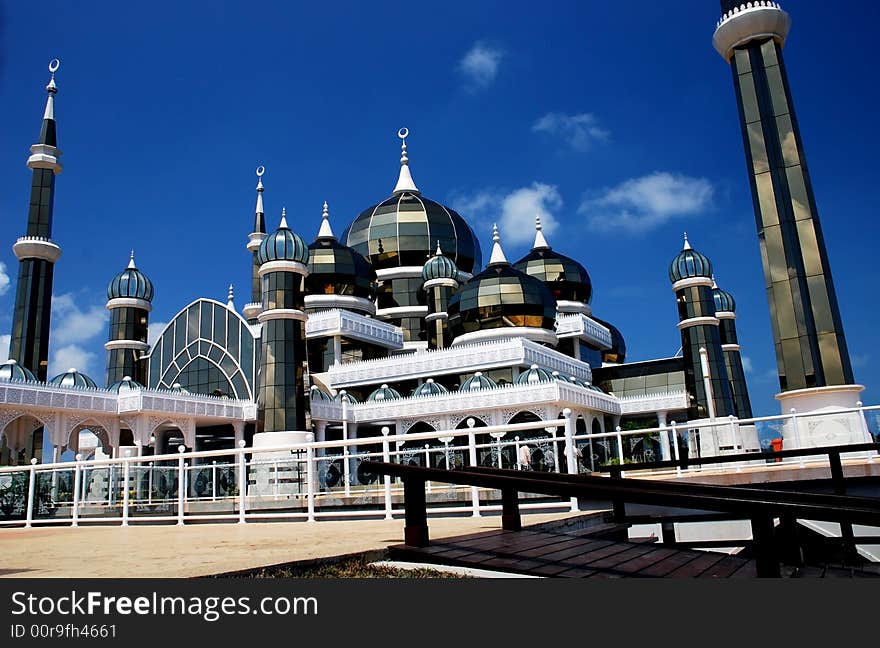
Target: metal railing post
x=181 y=483
x=125 y=494
x=619 y=449
x=77 y=476
x=570 y=461
x=242 y=482
x=428 y=464
x=797 y=434
x=214 y=480
x=32 y=485
x=472 y=459
x=150 y=484
x=733 y=440
x=310 y=477
x=386 y=457
x=869 y=438
x=675 y=447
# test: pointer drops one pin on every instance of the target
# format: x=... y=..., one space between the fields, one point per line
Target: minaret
x=725 y=311
x=36 y=251
x=691 y=275
x=252 y=310
x=129 y=300
x=810 y=344
x=283 y=257
x=440 y=276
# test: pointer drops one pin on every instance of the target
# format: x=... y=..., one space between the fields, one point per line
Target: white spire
x=325 y=231
x=404 y=181
x=260 y=171
x=54 y=64
x=131 y=264
x=497 y=252
x=439 y=252
x=687 y=244
x=540 y=241
x=229 y=299
x=714 y=283
x=283 y=217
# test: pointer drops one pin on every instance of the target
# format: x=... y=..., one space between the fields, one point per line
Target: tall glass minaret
x=810 y=345
x=36 y=252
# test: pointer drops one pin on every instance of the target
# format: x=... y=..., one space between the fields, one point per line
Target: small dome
x=723 y=300
x=11 y=370
x=283 y=245
x=430 y=388
x=317 y=394
x=177 y=388
x=335 y=269
x=131 y=283
x=73 y=378
x=125 y=385
x=476 y=382
x=689 y=264
x=564 y=277
x=344 y=397
x=577 y=381
x=617 y=353
x=384 y=393
x=439 y=266
x=534 y=375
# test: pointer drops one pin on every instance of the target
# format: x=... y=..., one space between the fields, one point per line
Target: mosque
x=396 y=322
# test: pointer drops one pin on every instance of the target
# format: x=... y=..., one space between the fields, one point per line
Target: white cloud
x=4 y=279
x=642 y=204
x=154 y=329
x=513 y=211
x=73 y=356
x=747 y=364
x=5 y=341
x=860 y=359
x=480 y=65
x=578 y=131
x=71 y=324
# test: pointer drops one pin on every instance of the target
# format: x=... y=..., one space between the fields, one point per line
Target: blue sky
x=616 y=121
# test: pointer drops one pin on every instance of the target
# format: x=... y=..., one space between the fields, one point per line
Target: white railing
x=312 y=480
x=341 y=322
x=583 y=326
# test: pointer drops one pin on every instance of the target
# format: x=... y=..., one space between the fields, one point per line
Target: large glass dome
x=404 y=230
x=566 y=278
x=338 y=270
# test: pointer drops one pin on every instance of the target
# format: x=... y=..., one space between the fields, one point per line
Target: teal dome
x=125 y=385
x=430 y=388
x=383 y=393
x=534 y=375
x=476 y=382
x=73 y=378
x=689 y=264
x=131 y=283
x=317 y=394
x=723 y=300
x=283 y=245
x=344 y=397
x=177 y=388
x=439 y=266
x=11 y=370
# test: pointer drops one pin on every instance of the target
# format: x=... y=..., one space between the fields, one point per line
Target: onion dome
x=73 y=378
x=177 y=388
x=724 y=301
x=335 y=269
x=439 y=266
x=383 y=393
x=566 y=278
x=476 y=382
x=125 y=385
x=689 y=264
x=574 y=380
x=401 y=230
x=11 y=370
x=534 y=375
x=344 y=397
x=430 y=388
x=283 y=245
x=501 y=296
x=317 y=394
x=130 y=283
x=617 y=353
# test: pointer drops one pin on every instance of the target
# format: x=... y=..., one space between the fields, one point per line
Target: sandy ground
x=207 y=549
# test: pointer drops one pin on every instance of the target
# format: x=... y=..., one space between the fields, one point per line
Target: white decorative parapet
x=656 y=402
x=462 y=359
x=48 y=397
x=578 y=324
x=554 y=393
x=355 y=326
x=748 y=21
x=194 y=405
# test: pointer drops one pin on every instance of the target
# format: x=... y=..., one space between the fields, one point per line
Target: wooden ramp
x=573 y=555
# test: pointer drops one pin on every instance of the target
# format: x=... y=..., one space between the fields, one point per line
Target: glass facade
x=29 y=345
x=128 y=324
x=695 y=301
x=708 y=337
x=41 y=205
x=209 y=331
x=282 y=290
x=126 y=362
x=404 y=231
x=282 y=375
x=501 y=296
x=642 y=378
x=810 y=344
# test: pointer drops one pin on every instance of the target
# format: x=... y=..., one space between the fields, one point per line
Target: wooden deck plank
x=665 y=566
x=697 y=566
x=724 y=567
x=618 y=559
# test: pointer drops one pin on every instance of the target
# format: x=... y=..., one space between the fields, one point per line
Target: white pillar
x=76 y=486
x=386 y=457
x=242 y=482
x=32 y=484
x=472 y=458
x=181 y=484
x=569 y=451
